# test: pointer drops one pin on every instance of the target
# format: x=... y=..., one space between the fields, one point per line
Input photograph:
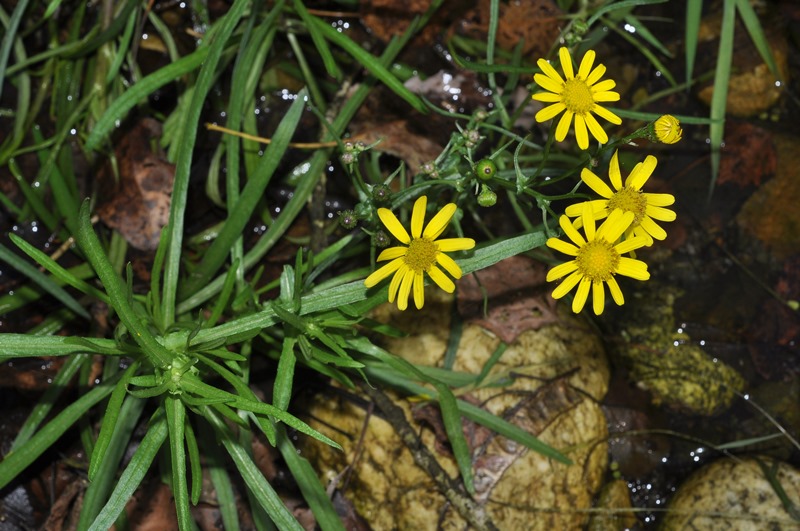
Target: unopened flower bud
x=485 y=169
x=381 y=193
x=348 y=219
x=381 y=239
x=487 y=197
x=666 y=129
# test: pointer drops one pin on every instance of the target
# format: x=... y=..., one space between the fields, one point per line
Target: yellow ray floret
x=421 y=253
x=646 y=208
x=598 y=258
x=576 y=96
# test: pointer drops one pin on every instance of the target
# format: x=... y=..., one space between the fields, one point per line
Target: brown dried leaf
x=397 y=140
x=137 y=205
x=749 y=157
x=518 y=298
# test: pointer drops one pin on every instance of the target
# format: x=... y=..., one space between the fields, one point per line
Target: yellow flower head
x=667 y=129
x=646 y=208
x=421 y=254
x=576 y=96
x=597 y=259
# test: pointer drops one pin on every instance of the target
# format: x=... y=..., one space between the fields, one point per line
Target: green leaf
x=194 y=462
x=239 y=216
x=17 y=461
x=262 y=491
x=117 y=291
x=108 y=426
x=319 y=42
x=694 y=13
x=99 y=488
x=451 y=417
x=43 y=281
x=308 y=481
x=719 y=99
x=49 y=398
x=369 y=62
x=623 y=4
x=756 y=32
x=176 y=424
x=133 y=474
x=57 y=271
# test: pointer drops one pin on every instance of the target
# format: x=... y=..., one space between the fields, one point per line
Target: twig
x=472 y=512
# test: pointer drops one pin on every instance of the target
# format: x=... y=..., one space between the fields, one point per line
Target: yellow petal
x=419 y=290
x=660 y=200
x=613 y=171
x=562 y=246
x=616 y=293
x=441 y=279
x=587 y=216
x=562 y=270
x=586 y=64
x=595 y=183
x=598 y=297
x=580 y=132
x=439 y=222
x=551 y=111
x=405 y=290
x=630 y=244
x=641 y=173
x=566 y=62
x=595 y=129
x=418 y=216
x=570 y=231
x=596 y=74
x=391 y=222
x=549 y=84
x=382 y=273
x=547 y=97
x=567 y=285
x=394 y=285
x=599 y=207
x=661 y=214
x=606 y=114
x=455 y=244
x=633 y=268
x=652 y=228
x=549 y=71
x=581 y=295
x=604 y=86
x=563 y=125
x=391 y=253
x=449 y=265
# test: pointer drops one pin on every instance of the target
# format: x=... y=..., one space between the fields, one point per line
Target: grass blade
x=719 y=98
x=451 y=417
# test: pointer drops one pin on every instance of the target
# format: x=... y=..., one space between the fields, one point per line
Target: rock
x=555 y=375
x=735 y=494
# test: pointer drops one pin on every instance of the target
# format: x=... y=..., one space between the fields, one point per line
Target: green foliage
x=182 y=346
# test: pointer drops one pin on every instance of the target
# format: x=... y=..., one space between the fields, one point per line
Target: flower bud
x=667 y=129
x=381 y=239
x=487 y=197
x=485 y=169
x=381 y=193
x=348 y=219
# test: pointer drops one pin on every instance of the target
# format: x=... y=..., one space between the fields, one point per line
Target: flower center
x=629 y=200
x=597 y=260
x=577 y=96
x=421 y=254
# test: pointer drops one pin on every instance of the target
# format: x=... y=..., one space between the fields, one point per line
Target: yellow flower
x=578 y=96
x=646 y=208
x=597 y=259
x=421 y=255
x=668 y=129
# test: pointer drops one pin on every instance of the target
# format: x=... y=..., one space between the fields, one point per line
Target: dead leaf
x=137 y=204
x=518 y=298
x=396 y=139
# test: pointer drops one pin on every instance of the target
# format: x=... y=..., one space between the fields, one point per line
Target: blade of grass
x=133 y=474
x=719 y=98
x=369 y=62
x=176 y=424
x=249 y=199
x=222 y=31
x=9 y=38
x=451 y=417
x=57 y=271
x=100 y=487
x=43 y=281
x=219 y=478
x=117 y=291
x=319 y=41
x=17 y=461
x=694 y=13
x=262 y=491
x=49 y=399
x=756 y=32
x=613 y=6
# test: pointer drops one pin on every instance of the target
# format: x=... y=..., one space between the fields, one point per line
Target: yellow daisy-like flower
x=597 y=259
x=576 y=96
x=646 y=208
x=667 y=129
x=421 y=255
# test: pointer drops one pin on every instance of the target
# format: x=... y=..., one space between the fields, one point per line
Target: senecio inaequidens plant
x=630 y=214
